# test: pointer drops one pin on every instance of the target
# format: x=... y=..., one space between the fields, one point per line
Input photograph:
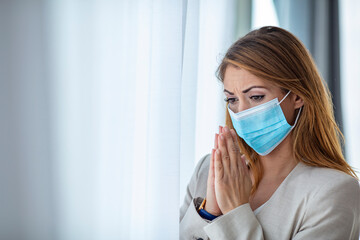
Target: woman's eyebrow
x=245 y=91
x=228 y=92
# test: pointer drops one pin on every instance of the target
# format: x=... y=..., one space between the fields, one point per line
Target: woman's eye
x=257 y=97
x=230 y=100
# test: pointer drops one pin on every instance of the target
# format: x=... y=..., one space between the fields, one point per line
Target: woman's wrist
x=211 y=211
x=207 y=207
x=205 y=213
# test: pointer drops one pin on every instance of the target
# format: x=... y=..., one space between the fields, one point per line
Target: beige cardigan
x=311 y=203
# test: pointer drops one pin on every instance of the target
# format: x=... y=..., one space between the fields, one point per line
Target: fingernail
x=217 y=151
x=226 y=129
x=221 y=137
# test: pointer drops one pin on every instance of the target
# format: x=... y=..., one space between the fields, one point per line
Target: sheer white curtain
x=210 y=28
x=137 y=102
x=106 y=107
x=350 y=75
x=117 y=88
x=263 y=14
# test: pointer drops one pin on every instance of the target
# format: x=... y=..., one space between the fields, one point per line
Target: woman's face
x=244 y=90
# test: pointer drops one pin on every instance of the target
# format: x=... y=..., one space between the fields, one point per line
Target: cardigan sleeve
x=240 y=223
x=191 y=224
x=333 y=212
x=192 y=187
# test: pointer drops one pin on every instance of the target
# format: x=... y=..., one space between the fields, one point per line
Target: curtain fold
x=350 y=74
x=26 y=201
x=118 y=67
x=106 y=107
x=91 y=96
x=211 y=27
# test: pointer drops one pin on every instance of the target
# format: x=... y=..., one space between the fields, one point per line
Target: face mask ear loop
x=297 y=117
x=285 y=97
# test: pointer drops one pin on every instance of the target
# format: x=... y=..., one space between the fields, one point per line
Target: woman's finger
x=234 y=136
x=211 y=168
x=232 y=149
x=216 y=145
x=219 y=168
x=225 y=158
x=243 y=166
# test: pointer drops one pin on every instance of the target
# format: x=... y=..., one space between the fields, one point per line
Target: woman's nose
x=239 y=107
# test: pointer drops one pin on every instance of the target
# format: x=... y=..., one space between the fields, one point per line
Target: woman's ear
x=298 y=101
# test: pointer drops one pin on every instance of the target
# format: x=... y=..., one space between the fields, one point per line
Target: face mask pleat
x=254 y=110
x=265 y=145
x=262 y=127
x=255 y=122
x=267 y=130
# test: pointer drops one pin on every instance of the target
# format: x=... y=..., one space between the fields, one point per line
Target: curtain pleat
x=106 y=108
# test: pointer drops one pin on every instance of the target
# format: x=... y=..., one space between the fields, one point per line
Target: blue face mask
x=262 y=127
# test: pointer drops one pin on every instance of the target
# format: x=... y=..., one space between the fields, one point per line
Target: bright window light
x=263 y=14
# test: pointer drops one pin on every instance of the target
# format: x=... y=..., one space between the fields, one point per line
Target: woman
x=277 y=170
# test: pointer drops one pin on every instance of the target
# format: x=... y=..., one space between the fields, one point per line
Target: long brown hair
x=277 y=56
